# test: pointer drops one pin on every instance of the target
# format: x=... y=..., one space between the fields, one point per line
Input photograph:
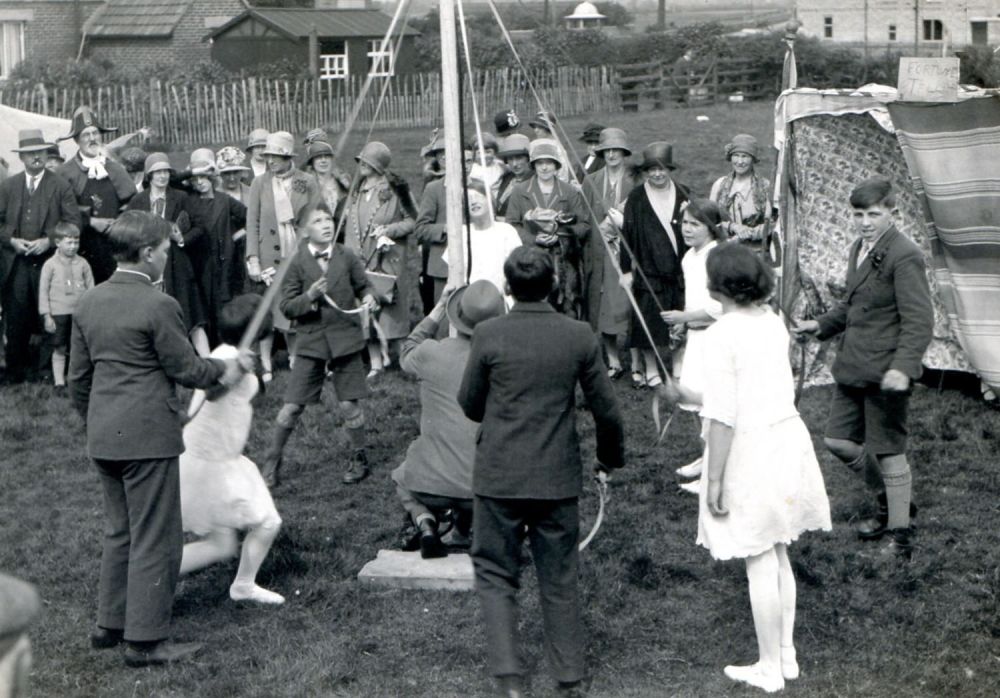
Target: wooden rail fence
x=198 y=113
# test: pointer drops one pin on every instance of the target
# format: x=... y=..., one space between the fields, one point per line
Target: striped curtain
x=953 y=154
x=11 y=47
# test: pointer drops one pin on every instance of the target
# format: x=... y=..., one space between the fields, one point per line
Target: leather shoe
x=430 y=545
x=900 y=543
x=164 y=652
x=875 y=527
x=359 y=469
x=106 y=638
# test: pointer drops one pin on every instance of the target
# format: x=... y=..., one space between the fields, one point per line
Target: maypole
x=454 y=194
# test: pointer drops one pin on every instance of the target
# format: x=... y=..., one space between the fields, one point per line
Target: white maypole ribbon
x=602 y=493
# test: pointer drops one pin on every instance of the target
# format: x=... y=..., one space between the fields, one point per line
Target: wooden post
x=313 y=53
x=454 y=208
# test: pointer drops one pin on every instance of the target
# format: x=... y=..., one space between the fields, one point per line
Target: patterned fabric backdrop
x=831 y=155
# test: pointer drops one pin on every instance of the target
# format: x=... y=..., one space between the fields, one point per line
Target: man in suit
x=130 y=350
x=31 y=204
x=519 y=383
x=886 y=322
x=323 y=283
x=431 y=228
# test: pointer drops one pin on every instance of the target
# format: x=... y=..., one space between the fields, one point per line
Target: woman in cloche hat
x=552 y=214
x=744 y=195
x=606 y=190
x=179 y=278
x=333 y=182
x=379 y=216
x=651 y=227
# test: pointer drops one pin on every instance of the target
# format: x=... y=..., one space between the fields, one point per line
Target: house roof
x=154 y=19
x=300 y=23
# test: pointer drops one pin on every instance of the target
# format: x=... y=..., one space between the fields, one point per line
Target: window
x=828 y=27
x=892 y=32
x=933 y=30
x=380 y=63
x=11 y=47
x=333 y=60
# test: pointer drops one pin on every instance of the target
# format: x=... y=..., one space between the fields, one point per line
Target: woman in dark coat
x=179 y=277
x=651 y=231
x=221 y=217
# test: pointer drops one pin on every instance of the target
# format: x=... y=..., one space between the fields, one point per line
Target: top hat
x=505 y=122
x=473 y=304
x=544 y=119
x=257 y=137
x=202 y=162
x=84 y=118
x=592 y=133
x=743 y=143
x=30 y=140
x=545 y=149
x=613 y=139
x=514 y=144
x=376 y=155
x=231 y=159
x=280 y=143
x=156 y=162
x=658 y=153
x=317 y=148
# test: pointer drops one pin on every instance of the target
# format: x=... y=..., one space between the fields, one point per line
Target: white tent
x=14 y=120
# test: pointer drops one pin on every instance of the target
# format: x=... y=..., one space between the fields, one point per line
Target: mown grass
x=662 y=617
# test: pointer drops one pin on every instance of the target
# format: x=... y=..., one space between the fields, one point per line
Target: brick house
x=885 y=24
x=155 y=31
x=336 y=43
x=41 y=30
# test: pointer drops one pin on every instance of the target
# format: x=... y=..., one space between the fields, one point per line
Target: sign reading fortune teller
x=928 y=79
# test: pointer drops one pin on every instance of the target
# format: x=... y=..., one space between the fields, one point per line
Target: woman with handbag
x=378 y=218
x=745 y=196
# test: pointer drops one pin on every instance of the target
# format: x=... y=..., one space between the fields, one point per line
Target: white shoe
x=692 y=469
x=789 y=665
x=693 y=487
x=255 y=593
x=755 y=676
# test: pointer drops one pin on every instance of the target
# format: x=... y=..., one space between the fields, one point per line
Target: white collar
x=317 y=250
x=138 y=273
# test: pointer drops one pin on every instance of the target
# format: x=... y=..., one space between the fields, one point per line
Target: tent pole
x=452 y=142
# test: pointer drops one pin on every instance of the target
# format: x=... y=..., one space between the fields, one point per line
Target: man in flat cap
x=32 y=202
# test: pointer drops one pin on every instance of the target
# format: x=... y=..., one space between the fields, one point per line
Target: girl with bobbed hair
x=761 y=487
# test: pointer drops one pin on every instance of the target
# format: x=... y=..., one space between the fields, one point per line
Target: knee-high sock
x=898 y=489
x=256 y=545
x=765 y=601
x=59 y=366
x=786 y=590
x=266 y=347
x=215 y=547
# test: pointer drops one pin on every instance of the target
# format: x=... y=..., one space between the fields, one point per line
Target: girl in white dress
x=702 y=229
x=222 y=491
x=761 y=487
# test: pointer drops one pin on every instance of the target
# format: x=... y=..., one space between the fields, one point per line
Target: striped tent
x=944 y=161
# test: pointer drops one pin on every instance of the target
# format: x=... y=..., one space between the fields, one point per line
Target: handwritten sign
x=928 y=79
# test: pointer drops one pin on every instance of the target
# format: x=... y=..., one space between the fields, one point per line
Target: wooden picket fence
x=691 y=82
x=192 y=113
x=200 y=113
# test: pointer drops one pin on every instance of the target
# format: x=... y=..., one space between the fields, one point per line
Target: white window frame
x=376 y=59
x=334 y=66
x=929 y=25
x=17 y=28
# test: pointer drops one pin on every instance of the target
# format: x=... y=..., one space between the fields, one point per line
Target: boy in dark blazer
x=520 y=384
x=886 y=322
x=129 y=351
x=319 y=294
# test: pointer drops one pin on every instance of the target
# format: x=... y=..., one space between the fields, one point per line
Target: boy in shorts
x=65 y=276
x=886 y=321
x=319 y=294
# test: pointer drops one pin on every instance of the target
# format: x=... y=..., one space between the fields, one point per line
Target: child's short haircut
x=738 y=273
x=134 y=230
x=306 y=213
x=709 y=213
x=873 y=192
x=530 y=273
x=64 y=230
x=235 y=317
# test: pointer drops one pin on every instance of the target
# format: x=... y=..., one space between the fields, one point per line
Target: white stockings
x=221 y=545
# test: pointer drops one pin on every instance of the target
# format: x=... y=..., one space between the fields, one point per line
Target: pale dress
x=696 y=297
x=772 y=485
x=220 y=487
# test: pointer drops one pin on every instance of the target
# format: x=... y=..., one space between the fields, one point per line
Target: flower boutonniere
x=96 y=202
x=384 y=193
x=877 y=258
x=300 y=186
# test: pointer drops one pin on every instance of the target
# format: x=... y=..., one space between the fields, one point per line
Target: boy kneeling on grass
x=886 y=320
x=319 y=294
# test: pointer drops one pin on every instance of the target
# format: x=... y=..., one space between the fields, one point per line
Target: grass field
x=662 y=617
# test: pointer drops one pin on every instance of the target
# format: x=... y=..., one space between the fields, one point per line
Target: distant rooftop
x=154 y=19
x=300 y=23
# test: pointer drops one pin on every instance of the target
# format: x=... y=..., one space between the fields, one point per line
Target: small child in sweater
x=65 y=276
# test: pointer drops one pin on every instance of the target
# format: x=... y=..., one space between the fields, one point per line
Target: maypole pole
x=454 y=194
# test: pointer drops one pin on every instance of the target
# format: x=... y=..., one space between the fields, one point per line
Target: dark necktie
x=325 y=255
